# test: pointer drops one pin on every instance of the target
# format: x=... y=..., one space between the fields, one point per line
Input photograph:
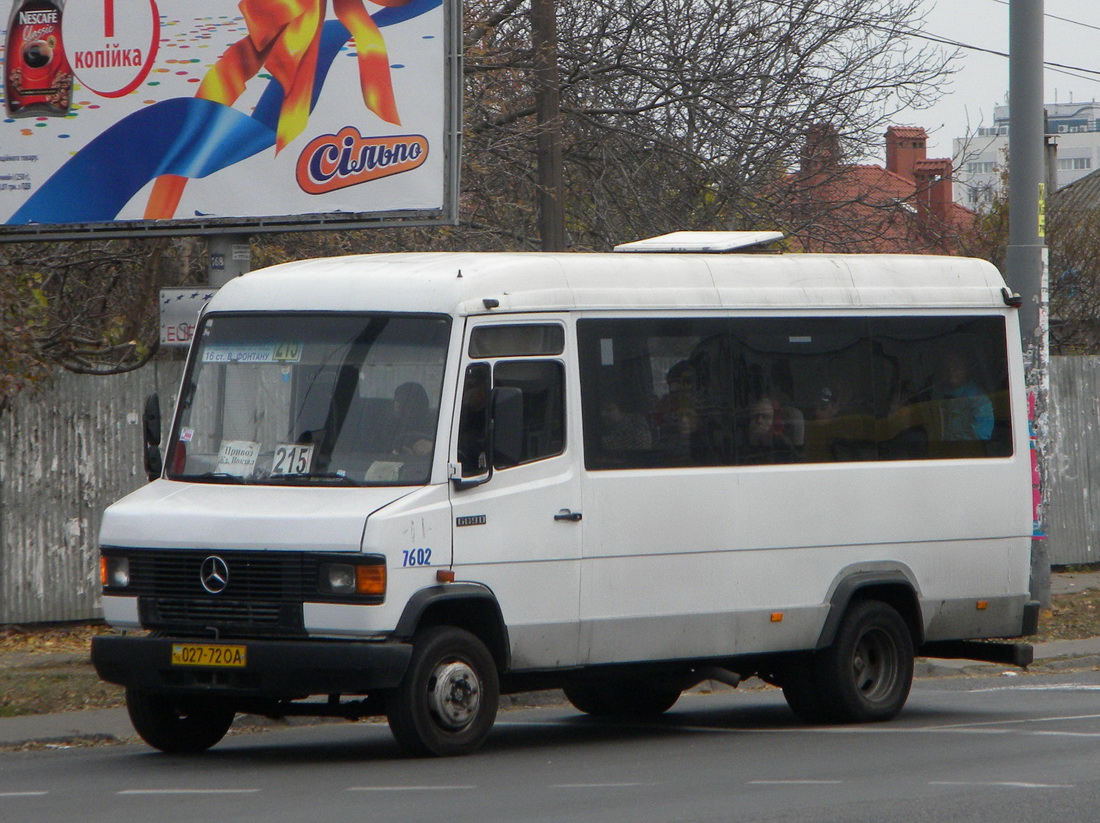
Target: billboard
x=143 y=117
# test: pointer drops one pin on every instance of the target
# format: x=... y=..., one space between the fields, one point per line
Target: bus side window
x=543 y=385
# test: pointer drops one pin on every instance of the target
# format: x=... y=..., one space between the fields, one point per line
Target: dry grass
x=48 y=669
x=69 y=638
x=1073 y=617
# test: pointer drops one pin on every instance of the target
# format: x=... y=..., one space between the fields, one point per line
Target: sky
x=982 y=79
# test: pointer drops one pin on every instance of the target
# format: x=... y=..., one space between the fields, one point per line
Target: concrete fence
x=69 y=450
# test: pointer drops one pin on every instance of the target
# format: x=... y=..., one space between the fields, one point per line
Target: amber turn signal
x=370 y=579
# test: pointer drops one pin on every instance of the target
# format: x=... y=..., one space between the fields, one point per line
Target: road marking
x=1058 y=718
x=795 y=782
x=408 y=788
x=1006 y=783
x=980 y=727
x=600 y=785
x=22 y=794
x=188 y=791
x=1053 y=687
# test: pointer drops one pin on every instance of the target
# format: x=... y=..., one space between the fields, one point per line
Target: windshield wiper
x=212 y=477
x=338 y=479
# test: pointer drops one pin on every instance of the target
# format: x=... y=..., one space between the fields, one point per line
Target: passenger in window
x=967 y=411
x=830 y=420
x=764 y=439
x=623 y=431
x=675 y=414
x=412 y=421
x=827 y=406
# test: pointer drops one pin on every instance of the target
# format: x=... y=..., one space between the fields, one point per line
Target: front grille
x=263 y=591
x=252 y=575
x=222 y=611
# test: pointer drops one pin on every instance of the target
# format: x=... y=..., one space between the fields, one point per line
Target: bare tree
x=676 y=114
x=89 y=307
x=682 y=113
x=1073 y=232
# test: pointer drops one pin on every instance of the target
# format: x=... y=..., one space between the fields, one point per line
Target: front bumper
x=278 y=669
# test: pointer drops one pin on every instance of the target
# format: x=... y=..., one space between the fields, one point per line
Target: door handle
x=565 y=514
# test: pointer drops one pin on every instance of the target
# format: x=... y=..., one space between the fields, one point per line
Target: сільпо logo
x=336 y=161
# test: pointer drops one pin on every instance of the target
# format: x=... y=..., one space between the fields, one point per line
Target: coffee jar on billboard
x=37 y=77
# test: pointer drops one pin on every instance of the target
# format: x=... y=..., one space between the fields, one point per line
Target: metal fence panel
x=67 y=451
x=1071 y=522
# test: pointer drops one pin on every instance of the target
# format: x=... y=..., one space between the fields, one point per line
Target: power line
x=1062 y=19
x=1057 y=68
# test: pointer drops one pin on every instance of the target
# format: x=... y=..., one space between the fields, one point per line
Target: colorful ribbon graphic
x=284 y=37
x=192 y=137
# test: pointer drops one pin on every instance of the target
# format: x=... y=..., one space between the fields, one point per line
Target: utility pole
x=544 y=36
x=1026 y=261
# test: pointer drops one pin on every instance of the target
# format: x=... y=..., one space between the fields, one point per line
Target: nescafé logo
x=336 y=161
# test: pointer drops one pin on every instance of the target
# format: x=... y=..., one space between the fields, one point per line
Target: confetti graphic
x=226 y=96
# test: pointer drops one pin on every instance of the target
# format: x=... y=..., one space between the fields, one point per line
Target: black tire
x=447 y=702
x=177 y=725
x=626 y=697
x=589 y=698
x=866 y=674
x=801 y=692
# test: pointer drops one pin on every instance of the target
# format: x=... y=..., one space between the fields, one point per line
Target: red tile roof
x=908 y=132
x=867 y=208
x=936 y=165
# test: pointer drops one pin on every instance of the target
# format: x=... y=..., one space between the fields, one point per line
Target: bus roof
x=492 y=282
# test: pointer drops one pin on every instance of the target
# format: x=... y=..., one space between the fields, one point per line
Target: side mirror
x=504 y=435
x=150 y=424
x=507 y=433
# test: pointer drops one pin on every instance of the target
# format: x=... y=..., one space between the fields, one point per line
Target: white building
x=980 y=159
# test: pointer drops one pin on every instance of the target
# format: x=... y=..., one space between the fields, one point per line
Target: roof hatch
x=702 y=242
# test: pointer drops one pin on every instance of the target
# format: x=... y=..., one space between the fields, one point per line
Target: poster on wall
x=162 y=116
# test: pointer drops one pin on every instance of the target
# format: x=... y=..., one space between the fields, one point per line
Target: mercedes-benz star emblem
x=214 y=574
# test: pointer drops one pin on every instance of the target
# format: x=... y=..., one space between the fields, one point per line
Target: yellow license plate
x=206 y=654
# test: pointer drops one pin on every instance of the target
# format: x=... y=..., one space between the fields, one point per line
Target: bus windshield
x=317 y=399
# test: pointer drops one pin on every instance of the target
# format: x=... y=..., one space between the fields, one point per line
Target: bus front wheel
x=177 y=725
x=447 y=702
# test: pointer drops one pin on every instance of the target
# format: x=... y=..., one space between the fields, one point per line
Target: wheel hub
x=455 y=694
x=874 y=665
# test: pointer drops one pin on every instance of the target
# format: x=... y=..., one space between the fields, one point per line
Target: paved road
x=983 y=749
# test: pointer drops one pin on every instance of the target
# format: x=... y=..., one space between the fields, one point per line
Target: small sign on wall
x=179 y=312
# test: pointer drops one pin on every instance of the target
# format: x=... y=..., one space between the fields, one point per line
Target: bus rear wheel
x=866 y=674
x=629 y=697
x=801 y=692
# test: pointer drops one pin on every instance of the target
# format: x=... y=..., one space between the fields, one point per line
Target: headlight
x=341 y=578
x=353 y=579
x=115 y=571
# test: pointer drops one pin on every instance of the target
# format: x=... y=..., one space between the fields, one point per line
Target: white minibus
x=405 y=484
